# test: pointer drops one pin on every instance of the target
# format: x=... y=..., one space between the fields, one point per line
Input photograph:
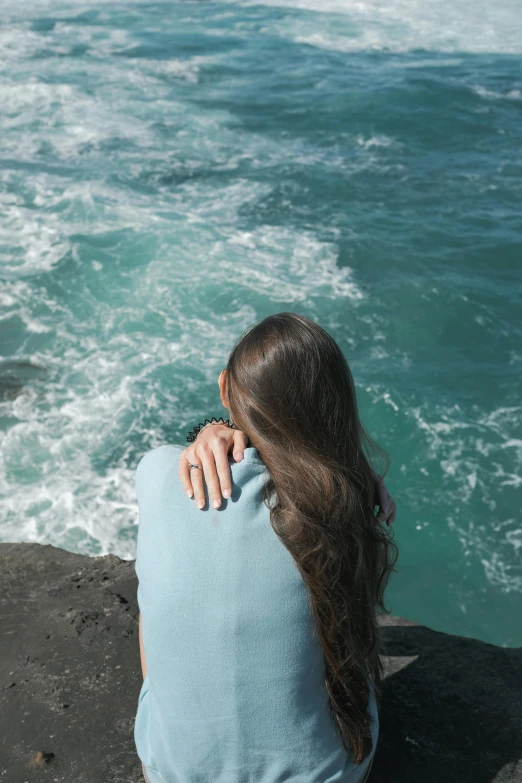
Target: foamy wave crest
x=471 y=459
x=402 y=25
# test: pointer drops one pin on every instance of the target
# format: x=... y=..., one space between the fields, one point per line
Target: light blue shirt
x=234 y=691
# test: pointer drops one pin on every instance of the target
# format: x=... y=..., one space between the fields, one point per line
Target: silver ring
x=195 y=466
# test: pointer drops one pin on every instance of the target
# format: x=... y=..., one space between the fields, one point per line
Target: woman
x=258 y=629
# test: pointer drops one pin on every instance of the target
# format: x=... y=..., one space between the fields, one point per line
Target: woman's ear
x=222 y=388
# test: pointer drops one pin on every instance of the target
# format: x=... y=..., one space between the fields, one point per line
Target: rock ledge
x=70 y=678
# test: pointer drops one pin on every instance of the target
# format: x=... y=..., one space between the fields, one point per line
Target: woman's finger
x=223 y=468
x=206 y=455
x=184 y=473
x=383 y=496
x=196 y=477
x=240 y=444
x=392 y=514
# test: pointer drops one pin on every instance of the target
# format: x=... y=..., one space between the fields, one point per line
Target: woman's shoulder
x=156 y=462
x=159 y=454
x=161 y=464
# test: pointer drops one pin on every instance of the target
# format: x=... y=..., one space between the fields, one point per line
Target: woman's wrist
x=193 y=434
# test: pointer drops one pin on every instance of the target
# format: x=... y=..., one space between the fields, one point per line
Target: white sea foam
x=513 y=94
x=478 y=456
x=288 y=267
x=403 y=25
x=66 y=492
x=375 y=141
x=34 y=240
x=467 y=26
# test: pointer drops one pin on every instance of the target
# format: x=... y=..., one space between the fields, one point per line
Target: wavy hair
x=291 y=391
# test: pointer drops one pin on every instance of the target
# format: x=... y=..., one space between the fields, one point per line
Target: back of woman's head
x=291 y=391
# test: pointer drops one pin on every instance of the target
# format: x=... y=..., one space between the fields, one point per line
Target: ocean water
x=173 y=172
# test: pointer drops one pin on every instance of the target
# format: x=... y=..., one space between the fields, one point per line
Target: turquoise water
x=173 y=172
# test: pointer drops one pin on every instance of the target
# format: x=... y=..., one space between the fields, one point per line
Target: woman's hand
x=210 y=450
x=385 y=502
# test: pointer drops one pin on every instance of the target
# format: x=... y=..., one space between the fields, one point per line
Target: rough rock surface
x=70 y=678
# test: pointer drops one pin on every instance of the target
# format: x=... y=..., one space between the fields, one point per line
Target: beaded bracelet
x=193 y=434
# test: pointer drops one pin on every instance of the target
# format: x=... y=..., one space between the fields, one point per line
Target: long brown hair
x=291 y=391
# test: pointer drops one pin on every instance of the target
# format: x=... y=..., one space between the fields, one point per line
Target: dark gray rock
x=70 y=678
x=451 y=710
x=69 y=666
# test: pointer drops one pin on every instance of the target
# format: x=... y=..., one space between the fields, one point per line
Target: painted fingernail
x=226 y=493
x=215 y=503
x=200 y=503
x=189 y=493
